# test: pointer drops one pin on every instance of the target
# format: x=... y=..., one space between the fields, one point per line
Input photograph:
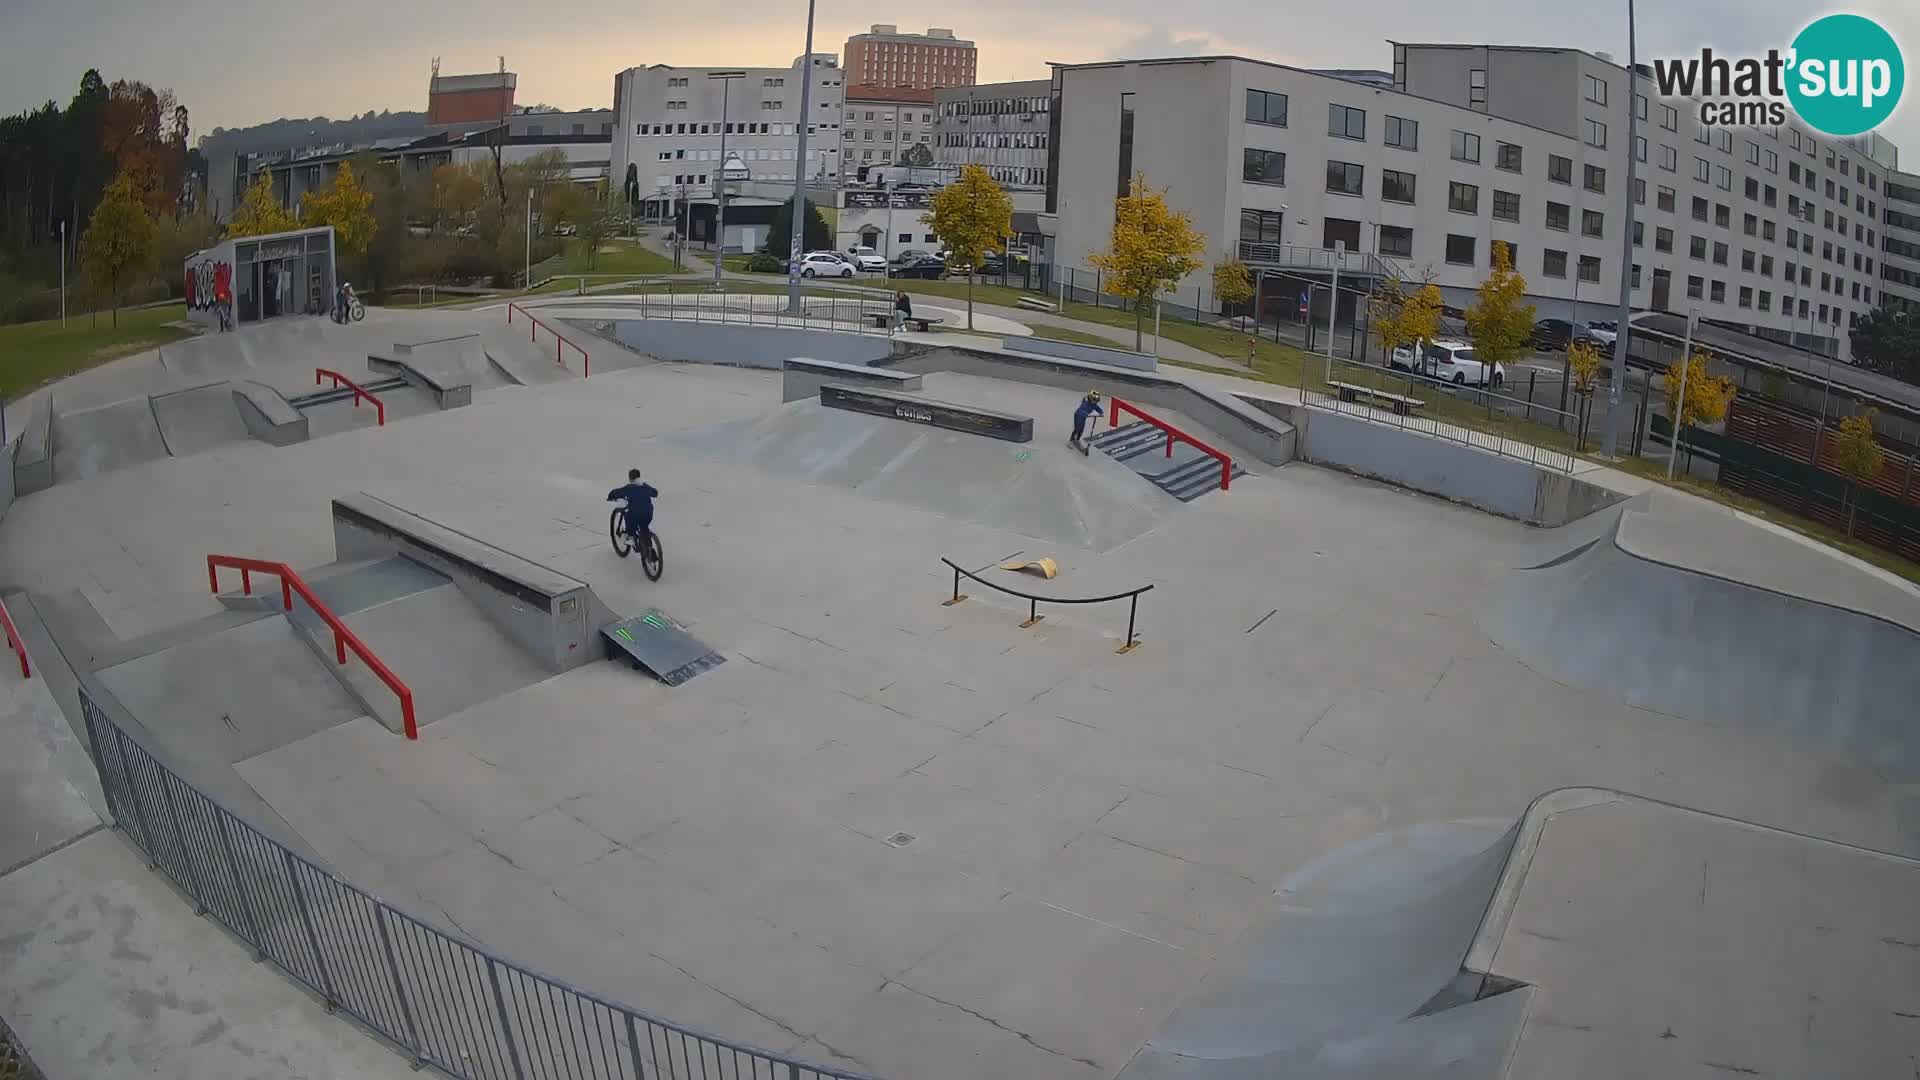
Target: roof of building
x=492 y=80
x=902 y=94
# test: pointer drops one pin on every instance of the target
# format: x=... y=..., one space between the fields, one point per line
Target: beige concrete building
x=883 y=56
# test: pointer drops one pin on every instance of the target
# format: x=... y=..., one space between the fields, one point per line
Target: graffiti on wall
x=209 y=282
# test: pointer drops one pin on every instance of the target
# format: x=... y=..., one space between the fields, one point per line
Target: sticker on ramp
x=658 y=644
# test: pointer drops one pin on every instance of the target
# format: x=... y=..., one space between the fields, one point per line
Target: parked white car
x=824 y=264
x=1606 y=333
x=1448 y=361
x=868 y=259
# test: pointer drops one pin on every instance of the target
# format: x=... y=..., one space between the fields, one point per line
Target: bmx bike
x=651 y=560
x=355 y=311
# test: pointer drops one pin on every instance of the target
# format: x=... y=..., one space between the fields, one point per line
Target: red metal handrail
x=340 y=380
x=1226 y=463
x=533 y=335
x=13 y=641
x=343 y=638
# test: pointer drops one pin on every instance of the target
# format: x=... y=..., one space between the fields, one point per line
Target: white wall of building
x=878 y=132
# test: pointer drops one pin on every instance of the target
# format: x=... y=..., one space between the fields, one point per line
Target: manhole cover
x=900 y=839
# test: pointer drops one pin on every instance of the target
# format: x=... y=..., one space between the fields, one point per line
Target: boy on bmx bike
x=631 y=526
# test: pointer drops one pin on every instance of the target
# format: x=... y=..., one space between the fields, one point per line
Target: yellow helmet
x=1093 y=395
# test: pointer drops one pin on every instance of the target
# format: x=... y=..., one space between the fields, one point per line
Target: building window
x=1507 y=156
x=1723 y=139
x=1125 y=180
x=1594 y=133
x=1596 y=179
x=1639 y=148
x=1557 y=216
x=1460 y=249
x=1703 y=135
x=1639 y=234
x=1640 y=106
x=1346 y=123
x=1553 y=263
x=1403 y=133
x=1753 y=157
x=1639 y=192
x=1766 y=300
x=1719 y=253
x=1477 y=89
x=1699 y=208
x=1260 y=226
x=1669 y=118
x=1719 y=292
x=1663 y=199
x=1396 y=240
x=1345 y=178
x=1752 y=189
x=1766 y=266
x=1636 y=276
x=1750 y=225
x=1263 y=166
x=1669 y=158
x=1264 y=107
x=1463 y=198
x=1396 y=186
x=1773 y=162
x=1696 y=287
x=1592 y=223
x=1559 y=169
x=1506 y=205
x=1663 y=240
x=1697 y=248
x=1722 y=215
x=1589 y=268
x=1723 y=178
x=1702 y=170
x=1748 y=260
x=1596 y=90
x=1466 y=147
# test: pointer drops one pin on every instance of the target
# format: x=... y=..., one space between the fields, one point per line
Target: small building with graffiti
x=262 y=277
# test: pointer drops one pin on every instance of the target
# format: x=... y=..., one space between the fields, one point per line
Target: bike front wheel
x=652 y=561
x=617 y=532
x=358 y=311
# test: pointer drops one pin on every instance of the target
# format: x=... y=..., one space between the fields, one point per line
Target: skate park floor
x=919 y=840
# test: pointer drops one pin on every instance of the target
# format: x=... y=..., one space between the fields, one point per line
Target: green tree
x=259 y=213
x=1499 y=321
x=604 y=219
x=1888 y=341
x=1152 y=248
x=393 y=252
x=120 y=240
x=180 y=237
x=815 y=236
x=1232 y=282
x=347 y=206
x=971 y=216
x=1859 y=456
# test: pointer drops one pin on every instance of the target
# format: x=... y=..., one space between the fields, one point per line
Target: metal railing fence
x=445 y=1002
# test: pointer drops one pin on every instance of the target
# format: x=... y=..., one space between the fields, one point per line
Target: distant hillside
x=314 y=131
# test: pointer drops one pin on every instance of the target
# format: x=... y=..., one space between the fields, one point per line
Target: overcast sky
x=238 y=62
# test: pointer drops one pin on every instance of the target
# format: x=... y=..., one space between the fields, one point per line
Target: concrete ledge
x=1266 y=437
x=803 y=376
x=449 y=391
x=33 y=457
x=745 y=345
x=267 y=414
x=1073 y=350
x=550 y=615
x=919 y=410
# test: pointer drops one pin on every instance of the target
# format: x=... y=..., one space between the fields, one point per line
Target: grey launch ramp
x=660 y=646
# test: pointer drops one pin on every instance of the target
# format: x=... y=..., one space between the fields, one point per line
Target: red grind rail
x=533 y=334
x=343 y=638
x=13 y=641
x=340 y=380
x=1173 y=433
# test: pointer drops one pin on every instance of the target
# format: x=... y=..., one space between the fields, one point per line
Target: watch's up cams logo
x=1843 y=75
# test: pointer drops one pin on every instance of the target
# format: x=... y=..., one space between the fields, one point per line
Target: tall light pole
x=63 y=274
x=725 y=78
x=528 y=284
x=1610 y=441
x=797 y=226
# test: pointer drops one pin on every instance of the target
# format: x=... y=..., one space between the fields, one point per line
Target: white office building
x=668 y=127
x=1002 y=126
x=1775 y=231
x=1900 y=244
x=882 y=124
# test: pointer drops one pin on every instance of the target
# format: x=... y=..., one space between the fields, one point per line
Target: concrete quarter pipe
x=1599 y=614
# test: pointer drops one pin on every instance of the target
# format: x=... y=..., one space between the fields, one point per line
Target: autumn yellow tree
x=1860 y=458
x=259 y=213
x=971 y=216
x=1153 y=247
x=1708 y=395
x=1232 y=282
x=347 y=206
x=119 y=240
x=1583 y=370
x=1499 y=321
x=1401 y=317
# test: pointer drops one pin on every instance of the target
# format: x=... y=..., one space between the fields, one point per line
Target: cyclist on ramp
x=639 y=498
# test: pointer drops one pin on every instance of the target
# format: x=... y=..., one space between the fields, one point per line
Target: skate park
x=1489 y=771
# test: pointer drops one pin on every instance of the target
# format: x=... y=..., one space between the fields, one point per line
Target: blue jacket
x=639 y=500
x=1086 y=411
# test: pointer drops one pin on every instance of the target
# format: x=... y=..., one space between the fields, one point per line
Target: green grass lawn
x=36 y=353
x=1081 y=337
x=617 y=257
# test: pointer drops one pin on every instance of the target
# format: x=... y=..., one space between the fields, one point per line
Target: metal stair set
x=1186 y=476
x=345 y=393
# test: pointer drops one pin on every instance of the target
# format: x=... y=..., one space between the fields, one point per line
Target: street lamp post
x=528 y=284
x=797 y=227
x=1610 y=442
x=725 y=78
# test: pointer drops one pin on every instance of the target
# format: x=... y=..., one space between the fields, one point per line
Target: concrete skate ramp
x=451 y=360
x=199 y=419
x=1043 y=491
x=446 y=650
x=1347 y=977
x=92 y=441
x=1600 y=615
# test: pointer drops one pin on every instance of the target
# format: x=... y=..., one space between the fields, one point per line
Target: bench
x=884 y=319
x=920 y=323
x=1037 y=304
x=1401 y=404
x=880 y=319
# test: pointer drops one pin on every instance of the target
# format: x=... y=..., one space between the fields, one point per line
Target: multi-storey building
x=668 y=126
x=1774 y=231
x=881 y=123
x=1002 y=126
x=883 y=56
x=1900 y=243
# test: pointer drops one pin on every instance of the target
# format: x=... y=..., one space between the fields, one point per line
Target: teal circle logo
x=1846 y=74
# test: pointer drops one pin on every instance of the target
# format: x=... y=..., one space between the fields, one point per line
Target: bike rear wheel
x=652 y=560
x=617 y=532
